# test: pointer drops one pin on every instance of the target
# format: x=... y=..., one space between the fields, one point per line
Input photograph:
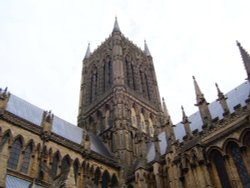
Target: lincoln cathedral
x=124 y=135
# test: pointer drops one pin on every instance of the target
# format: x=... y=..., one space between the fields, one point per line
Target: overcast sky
x=43 y=42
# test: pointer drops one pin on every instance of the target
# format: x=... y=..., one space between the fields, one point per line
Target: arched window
x=26 y=159
x=218 y=162
x=127 y=68
x=97 y=177
x=107 y=74
x=65 y=164
x=147 y=86
x=54 y=165
x=14 y=154
x=93 y=85
x=142 y=83
x=4 y=140
x=114 y=182
x=105 y=179
x=239 y=163
x=76 y=168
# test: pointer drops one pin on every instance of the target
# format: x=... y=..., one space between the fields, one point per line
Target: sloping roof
x=24 y=110
x=34 y=114
x=234 y=97
x=237 y=96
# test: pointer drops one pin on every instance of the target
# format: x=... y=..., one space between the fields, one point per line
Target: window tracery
x=14 y=154
x=26 y=159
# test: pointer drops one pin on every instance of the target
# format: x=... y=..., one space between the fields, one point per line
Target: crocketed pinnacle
x=184 y=116
x=146 y=50
x=186 y=123
x=220 y=94
x=88 y=52
x=116 y=26
x=245 y=57
x=199 y=95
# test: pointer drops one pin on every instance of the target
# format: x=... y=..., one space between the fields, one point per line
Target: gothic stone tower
x=119 y=97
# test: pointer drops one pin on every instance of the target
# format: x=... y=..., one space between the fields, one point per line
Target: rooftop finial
x=146 y=50
x=88 y=52
x=116 y=26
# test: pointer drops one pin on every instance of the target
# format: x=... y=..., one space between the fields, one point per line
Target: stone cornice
x=21 y=123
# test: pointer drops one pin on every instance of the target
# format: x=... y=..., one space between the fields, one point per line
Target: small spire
x=146 y=50
x=222 y=99
x=199 y=95
x=165 y=110
x=184 y=116
x=220 y=94
x=88 y=52
x=245 y=57
x=203 y=105
x=116 y=26
x=186 y=123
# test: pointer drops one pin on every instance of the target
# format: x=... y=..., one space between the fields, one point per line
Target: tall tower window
x=129 y=73
x=147 y=87
x=93 y=85
x=14 y=154
x=107 y=74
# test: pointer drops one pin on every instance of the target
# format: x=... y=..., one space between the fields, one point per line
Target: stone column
x=4 y=156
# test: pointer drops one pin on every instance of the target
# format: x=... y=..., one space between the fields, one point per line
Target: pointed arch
x=65 y=165
x=147 y=86
x=235 y=152
x=218 y=162
x=105 y=179
x=114 y=181
x=5 y=139
x=245 y=137
x=76 y=165
x=93 y=83
x=107 y=73
x=55 y=164
x=27 y=156
x=97 y=176
x=15 y=153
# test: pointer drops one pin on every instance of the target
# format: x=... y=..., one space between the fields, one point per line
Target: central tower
x=119 y=97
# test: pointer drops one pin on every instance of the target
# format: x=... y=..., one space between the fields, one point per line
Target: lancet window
x=26 y=159
x=239 y=163
x=55 y=163
x=219 y=164
x=14 y=154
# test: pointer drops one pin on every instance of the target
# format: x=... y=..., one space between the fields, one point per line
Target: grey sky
x=42 y=44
